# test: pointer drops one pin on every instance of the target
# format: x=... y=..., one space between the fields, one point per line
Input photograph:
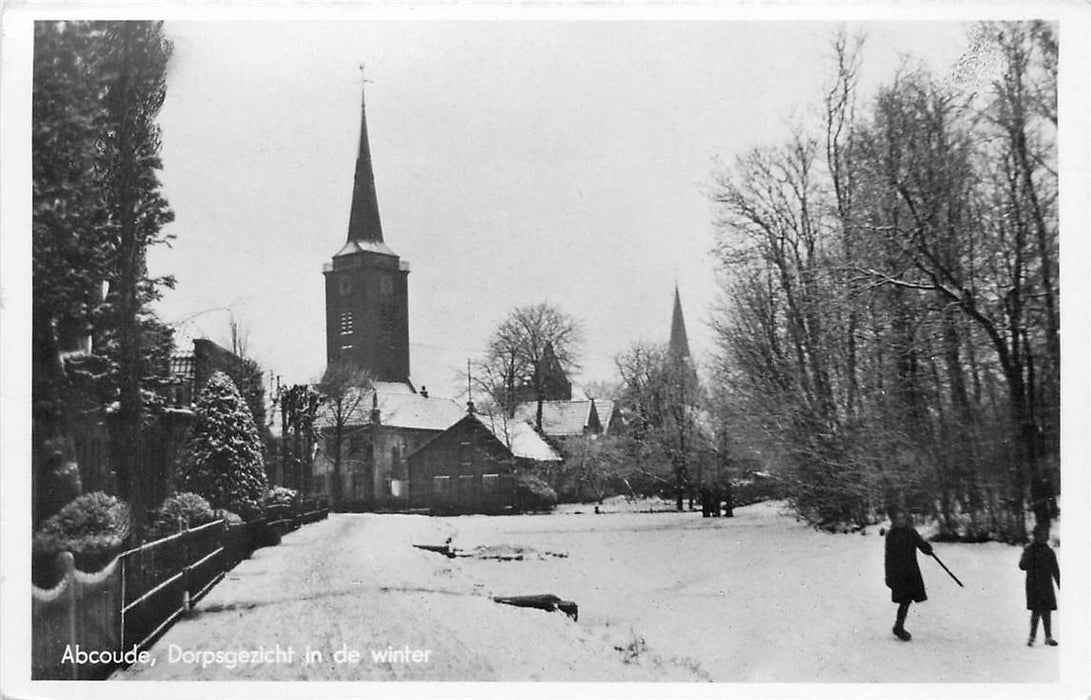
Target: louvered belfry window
x=346 y=323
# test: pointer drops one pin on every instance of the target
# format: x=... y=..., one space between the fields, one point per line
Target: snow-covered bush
x=231 y=519
x=92 y=527
x=532 y=493
x=280 y=496
x=224 y=462
x=180 y=511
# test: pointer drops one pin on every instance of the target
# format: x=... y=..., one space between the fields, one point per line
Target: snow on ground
x=662 y=596
x=355 y=581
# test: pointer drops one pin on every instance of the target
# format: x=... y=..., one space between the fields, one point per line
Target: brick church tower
x=367 y=287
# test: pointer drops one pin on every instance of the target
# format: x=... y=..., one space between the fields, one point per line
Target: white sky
x=515 y=162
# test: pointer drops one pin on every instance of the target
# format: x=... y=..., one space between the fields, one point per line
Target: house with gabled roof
x=384 y=425
x=471 y=467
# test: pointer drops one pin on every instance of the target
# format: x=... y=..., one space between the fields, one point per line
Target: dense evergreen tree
x=224 y=463
x=96 y=207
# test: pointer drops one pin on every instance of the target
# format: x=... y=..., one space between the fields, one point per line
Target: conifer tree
x=225 y=463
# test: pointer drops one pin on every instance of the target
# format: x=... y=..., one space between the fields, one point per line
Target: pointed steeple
x=364 y=222
x=679 y=343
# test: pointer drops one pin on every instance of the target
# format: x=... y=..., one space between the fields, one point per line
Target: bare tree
x=888 y=320
x=343 y=390
x=662 y=399
x=519 y=349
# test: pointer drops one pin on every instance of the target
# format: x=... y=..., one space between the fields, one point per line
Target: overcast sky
x=515 y=162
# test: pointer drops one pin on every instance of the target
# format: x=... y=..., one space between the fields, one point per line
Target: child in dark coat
x=1040 y=563
x=903 y=575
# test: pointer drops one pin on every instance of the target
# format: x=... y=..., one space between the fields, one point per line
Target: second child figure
x=903 y=575
x=1040 y=563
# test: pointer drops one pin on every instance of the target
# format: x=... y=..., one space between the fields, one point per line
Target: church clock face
x=386 y=285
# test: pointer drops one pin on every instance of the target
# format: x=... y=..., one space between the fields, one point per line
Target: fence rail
x=143 y=591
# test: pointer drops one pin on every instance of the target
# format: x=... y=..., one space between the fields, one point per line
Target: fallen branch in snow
x=502 y=552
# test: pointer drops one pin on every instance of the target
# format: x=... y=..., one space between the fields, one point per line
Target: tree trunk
x=126 y=433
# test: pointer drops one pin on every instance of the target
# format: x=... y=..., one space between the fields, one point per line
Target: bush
x=179 y=512
x=280 y=496
x=92 y=527
x=532 y=493
x=248 y=509
x=231 y=519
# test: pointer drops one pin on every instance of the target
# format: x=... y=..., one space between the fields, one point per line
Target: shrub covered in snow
x=532 y=493
x=280 y=496
x=92 y=527
x=179 y=512
x=232 y=519
x=224 y=463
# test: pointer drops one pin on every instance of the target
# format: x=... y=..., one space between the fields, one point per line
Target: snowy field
x=662 y=596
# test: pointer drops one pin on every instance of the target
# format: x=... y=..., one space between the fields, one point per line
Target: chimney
x=375 y=415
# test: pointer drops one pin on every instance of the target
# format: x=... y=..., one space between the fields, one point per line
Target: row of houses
x=402 y=449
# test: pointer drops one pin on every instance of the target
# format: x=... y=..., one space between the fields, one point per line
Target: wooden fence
x=141 y=593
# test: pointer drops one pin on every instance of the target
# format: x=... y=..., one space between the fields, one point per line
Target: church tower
x=679 y=342
x=367 y=287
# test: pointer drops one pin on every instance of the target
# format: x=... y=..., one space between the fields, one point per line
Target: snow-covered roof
x=365 y=246
x=393 y=388
x=397 y=408
x=605 y=409
x=559 y=418
x=518 y=436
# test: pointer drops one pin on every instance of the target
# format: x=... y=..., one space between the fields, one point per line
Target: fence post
x=121 y=605
x=66 y=564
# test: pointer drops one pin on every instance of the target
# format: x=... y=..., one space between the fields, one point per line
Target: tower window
x=345 y=286
x=389 y=318
x=346 y=323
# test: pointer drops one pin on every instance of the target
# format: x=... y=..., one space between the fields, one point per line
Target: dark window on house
x=465 y=456
x=357 y=445
x=441 y=484
x=490 y=483
x=465 y=484
x=346 y=322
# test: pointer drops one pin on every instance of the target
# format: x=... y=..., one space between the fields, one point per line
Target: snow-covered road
x=664 y=596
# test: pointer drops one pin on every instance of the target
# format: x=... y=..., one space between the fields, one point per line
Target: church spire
x=679 y=343
x=364 y=223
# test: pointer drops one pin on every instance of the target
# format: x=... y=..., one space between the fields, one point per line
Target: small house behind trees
x=471 y=466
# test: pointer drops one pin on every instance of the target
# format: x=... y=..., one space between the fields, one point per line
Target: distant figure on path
x=1040 y=563
x=903 y=575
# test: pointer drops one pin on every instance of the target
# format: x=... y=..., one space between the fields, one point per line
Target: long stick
x=947 y=570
